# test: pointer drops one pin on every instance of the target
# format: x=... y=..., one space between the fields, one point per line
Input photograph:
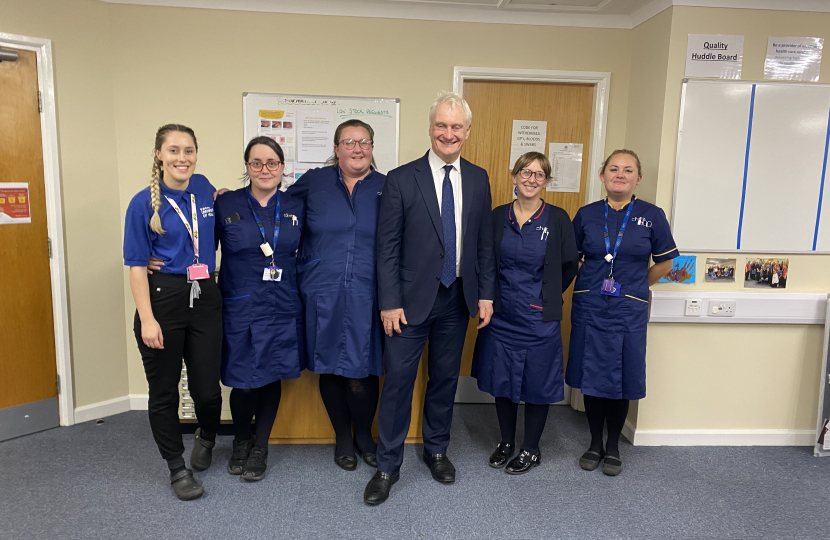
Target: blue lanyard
x=262 y=228
x=619 y=234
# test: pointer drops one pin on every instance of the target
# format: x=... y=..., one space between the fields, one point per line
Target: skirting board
x=719 y=437
x=102 y=409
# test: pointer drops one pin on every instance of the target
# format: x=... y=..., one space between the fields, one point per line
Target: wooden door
x=28 y=373
x=567 y=108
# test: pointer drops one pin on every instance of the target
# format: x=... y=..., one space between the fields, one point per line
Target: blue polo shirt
x=174 y=247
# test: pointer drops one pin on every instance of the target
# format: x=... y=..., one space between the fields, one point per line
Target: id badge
x=610 y=287
x=266 y=249
x=197 y=271
x=272 y=273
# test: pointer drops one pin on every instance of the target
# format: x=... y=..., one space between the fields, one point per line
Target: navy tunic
x=336 y=269
x=607 y=356
x=262 y=319
x=518 y=355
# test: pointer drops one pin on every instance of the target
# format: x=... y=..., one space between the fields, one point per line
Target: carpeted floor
x=107 y=481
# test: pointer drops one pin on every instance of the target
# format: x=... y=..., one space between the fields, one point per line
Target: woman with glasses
x=336 y=267
x=259 y=229
x=518 y=356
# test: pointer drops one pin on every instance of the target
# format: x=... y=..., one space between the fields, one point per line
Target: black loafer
x=185 y=486
x=370 y=458
x=501 y=455
x=239 y=456
x=202 y=454
x=612 y=465
x=347 y=463
x=523 y=462
x=377 y=490
x=441 y=467
x=254 y=469
x=589 y=461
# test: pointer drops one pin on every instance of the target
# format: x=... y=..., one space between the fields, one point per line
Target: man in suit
x=435 y=270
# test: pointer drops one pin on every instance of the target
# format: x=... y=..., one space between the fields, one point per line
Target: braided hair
x=157 y=173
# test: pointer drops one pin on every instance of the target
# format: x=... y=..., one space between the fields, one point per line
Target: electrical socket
x=694 y=307
x=722 y=308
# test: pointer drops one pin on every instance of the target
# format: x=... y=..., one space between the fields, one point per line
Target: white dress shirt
x=437 y=164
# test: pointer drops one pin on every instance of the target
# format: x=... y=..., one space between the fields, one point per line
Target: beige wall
x=91 y=202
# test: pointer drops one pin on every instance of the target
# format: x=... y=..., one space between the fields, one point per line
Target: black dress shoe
x=441 y=467
x=185 y=486
x=202 y=453
x=523 y=462
x=347 y=463
x=239 y=456
x=377 y=490
x=370 y=458
x=501 y=455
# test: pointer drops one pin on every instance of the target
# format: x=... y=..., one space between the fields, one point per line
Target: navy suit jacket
x=410 y=254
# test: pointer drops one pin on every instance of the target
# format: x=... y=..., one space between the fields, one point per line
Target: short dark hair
x=267 y=141
x=528 y=158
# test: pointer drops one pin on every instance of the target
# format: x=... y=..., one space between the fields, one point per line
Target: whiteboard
x=751 y=167
x=304 y=126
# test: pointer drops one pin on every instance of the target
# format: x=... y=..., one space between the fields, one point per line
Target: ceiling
x=586 y=13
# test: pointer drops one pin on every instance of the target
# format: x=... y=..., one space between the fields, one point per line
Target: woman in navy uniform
x=518 y=356
x=179 y=308
x=616 y=237
x=259 y=230
x=336 y=268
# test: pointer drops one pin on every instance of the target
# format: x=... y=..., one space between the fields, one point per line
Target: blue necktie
x=448 y=223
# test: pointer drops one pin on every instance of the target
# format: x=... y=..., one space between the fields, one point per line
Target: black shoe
x=612 y=465
x=370 y=458
x=500 y=456
x=347 y=463
x=185 y=486
x=589 y=461
x=441 y=467
x=254 y=469
x=377 y=490
x=523 y=462
x=202 y=453
x=239 y=455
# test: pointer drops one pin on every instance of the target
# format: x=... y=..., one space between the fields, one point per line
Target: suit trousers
x=194 y=334
x=446 y=328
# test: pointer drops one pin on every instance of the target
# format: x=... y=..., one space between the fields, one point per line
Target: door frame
x=54 y=215
x=601 y=80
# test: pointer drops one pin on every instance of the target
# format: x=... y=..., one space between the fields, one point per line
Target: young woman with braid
x=179 y=308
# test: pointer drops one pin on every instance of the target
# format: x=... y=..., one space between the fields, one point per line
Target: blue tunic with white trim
x=337 y=273
x=262 y=320
x=607 y=356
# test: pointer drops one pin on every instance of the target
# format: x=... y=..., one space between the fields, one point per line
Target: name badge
x=272 y=273
x=197 y=271
x=610 y=287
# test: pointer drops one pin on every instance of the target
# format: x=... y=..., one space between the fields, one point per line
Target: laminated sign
x=14 y=203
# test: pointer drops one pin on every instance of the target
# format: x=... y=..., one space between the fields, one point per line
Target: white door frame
x=599 y=118
x=54 y=215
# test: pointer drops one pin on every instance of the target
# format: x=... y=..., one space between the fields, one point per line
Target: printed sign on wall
x=793 y=59
x=14 y=203
x=714 y=55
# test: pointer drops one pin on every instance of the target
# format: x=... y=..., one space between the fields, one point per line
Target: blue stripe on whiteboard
x=823 y=176
x=746 y=164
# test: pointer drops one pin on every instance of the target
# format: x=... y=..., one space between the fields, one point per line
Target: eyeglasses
x=348 y=144
x=527 y=174
x=256 y=166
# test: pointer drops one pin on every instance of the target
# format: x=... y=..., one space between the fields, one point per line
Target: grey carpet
x=107 y=481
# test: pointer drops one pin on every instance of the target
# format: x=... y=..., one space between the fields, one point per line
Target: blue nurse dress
x=336 y=270
x=607 y=356
x=262 y=320
x=518 y=355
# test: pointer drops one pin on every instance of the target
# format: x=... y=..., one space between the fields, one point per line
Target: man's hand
x=219 y=192
x=394 y=318
x=154 y=265
x=485 y=311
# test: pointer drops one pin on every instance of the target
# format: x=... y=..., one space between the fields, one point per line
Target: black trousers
x=194 y=334
x=446 y=328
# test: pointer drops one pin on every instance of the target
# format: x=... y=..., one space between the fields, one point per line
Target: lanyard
x=194 y=232
x=262 y=228
x=619 y=234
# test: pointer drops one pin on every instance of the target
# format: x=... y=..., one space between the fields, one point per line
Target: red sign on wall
x=14 y=203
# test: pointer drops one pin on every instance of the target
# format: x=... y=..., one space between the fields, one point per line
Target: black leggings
x=601 y=411
x=535 y=418
x=351 y=401
x=261 y=403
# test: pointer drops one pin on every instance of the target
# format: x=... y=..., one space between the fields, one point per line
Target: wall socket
x=694 y=307
x=722 y=308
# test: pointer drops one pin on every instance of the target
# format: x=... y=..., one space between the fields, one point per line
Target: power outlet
x=694 y=307
x=722 y=308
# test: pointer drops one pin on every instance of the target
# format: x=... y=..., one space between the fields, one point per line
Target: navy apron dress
x=337 y=273
x=607 y=356
x=518 y=355
x=262 y=319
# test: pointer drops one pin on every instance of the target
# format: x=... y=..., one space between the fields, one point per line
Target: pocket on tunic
x=275 y=347
x=236 y=304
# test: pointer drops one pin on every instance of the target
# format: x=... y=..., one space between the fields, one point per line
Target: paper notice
x=793 y=59
x=279 y=126
x=718 y=56
x=528 y=136
x=315 y=136
x=14 y=203
x=565 y=167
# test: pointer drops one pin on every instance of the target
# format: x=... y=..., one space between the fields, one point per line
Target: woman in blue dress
x=518 y=356
x=259 y=230
x=336 y=268
x=616 y=237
